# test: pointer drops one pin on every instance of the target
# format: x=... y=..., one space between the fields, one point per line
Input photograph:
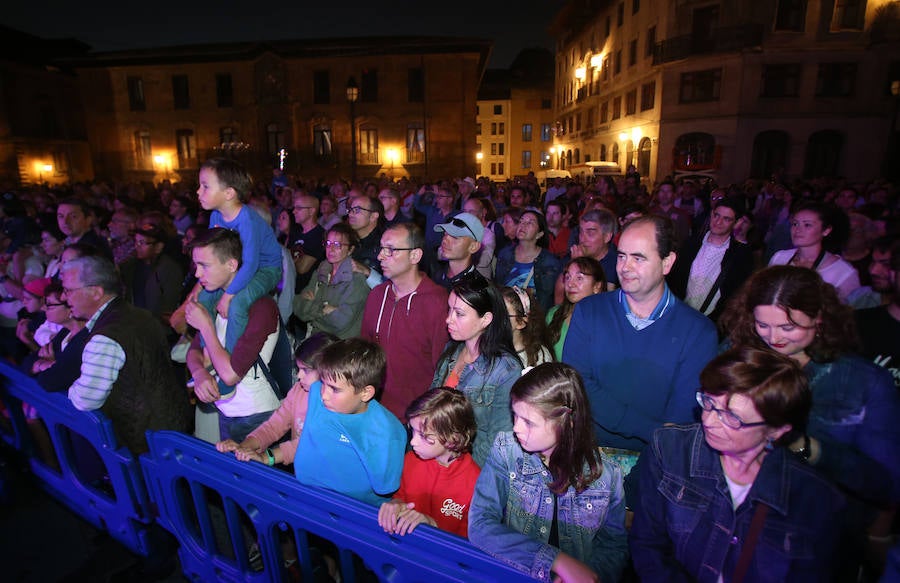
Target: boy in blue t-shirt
x=350 y=443
x=224 y=188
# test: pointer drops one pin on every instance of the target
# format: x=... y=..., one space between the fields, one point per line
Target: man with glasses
x=306 y=247
x=126 y=371
x=459 y=249
x=366 y=216
x=710 y=268
x=405 y=315
x=390 y=200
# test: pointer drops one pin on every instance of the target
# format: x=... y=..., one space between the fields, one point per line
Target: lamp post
x=352 y=98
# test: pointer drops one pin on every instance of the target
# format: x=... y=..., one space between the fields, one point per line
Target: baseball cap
x=463 y=225
x=38 y=287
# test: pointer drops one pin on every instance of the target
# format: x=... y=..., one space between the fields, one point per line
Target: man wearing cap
x=33 y=329
x=152 y=278
x=460 y=245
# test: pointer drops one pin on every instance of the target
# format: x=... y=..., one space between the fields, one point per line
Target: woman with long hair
x=480 y=359
x=816 y=240
x=546 y=501
x=582 y=277
x=853 y=436
x=529 y=330
x=529 y=263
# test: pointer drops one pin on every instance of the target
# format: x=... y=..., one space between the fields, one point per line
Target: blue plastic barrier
x=180 y=470
x=119 y=505
x=204 y=497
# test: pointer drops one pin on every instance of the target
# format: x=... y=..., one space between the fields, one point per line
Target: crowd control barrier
x=233 y=521
x=85 y=469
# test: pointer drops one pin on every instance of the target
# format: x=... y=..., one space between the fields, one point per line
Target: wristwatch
x=804 y=451
x=270 y=457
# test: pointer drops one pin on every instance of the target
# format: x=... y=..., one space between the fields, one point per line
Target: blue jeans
x=238 y=428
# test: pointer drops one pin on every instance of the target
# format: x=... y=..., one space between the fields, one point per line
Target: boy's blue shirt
x=360 y=455
x=260 y=247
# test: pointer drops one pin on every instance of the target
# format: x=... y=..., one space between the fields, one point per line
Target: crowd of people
x=591 y=381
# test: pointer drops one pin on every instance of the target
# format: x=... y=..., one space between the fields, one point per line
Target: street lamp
x=393 y=156
x=352 y=98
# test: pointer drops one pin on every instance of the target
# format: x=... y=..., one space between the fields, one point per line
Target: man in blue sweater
x=639 y=348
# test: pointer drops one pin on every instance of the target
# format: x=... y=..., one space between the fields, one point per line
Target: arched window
x=823 y=154
x=578 y=155
x=770 y=153
x=603 y=152
x=643 y=161
x=696 y=149
x=615 y=153
x=629 y=153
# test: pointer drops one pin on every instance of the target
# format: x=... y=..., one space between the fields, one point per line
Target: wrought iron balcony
x=721 y=40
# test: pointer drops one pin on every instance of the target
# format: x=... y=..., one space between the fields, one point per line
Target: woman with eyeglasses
x=853 y=436
x=58 y=363
x=724 y=499
x=480 y=359
x=529 y=264
x=334 y=299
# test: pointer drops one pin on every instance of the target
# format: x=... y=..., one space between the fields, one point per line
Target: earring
x=770 y=444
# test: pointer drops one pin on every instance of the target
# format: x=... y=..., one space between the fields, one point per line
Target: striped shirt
x=101 y=361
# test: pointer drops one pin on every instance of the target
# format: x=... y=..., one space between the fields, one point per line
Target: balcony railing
x=722 y=40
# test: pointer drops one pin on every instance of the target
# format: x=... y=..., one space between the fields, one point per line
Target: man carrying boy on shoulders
x=217 y=256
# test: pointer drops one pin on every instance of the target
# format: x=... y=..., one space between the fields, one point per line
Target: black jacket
x=737 y=265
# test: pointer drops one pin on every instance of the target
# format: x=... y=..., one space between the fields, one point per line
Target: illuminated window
x=368 y=146
x=415 y=144
x=187 y=148
x=322 y=142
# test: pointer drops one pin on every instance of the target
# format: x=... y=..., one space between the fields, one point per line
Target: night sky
x=108 y=26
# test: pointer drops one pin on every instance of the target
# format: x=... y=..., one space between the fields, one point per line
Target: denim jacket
x=686 y=528
x=512 y=513
x=546 y=269
x=486 y=384
x=856 y=417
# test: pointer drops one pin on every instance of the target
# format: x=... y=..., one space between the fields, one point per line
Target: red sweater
x=442 y=492
x=412 y=330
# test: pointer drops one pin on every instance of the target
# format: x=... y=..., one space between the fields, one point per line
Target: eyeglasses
x=54 y=305
x=297 y=208
x=727 y=418
x=355 y=210
x=461 y=224
x=389 y=251
x=144 y=243
x=69 y=290
x=336 y=244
